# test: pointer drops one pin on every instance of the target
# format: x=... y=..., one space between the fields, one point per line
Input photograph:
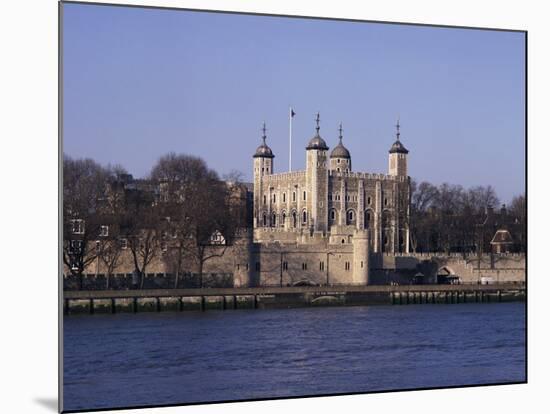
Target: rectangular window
x=361 y=264
x=284 y=197
x=304 y=196
x=293 y=196
x=321 y=265
x=123 y=243
x=77 y=226
x=304 y=266
x=75 y=246
x=103 y=231
x=285 y=265
x=347 y=266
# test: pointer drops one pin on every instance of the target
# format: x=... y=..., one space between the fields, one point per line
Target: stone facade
x=330 y=201
x=330 y=208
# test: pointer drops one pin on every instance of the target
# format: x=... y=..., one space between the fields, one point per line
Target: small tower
x=398 y=156
x=317 y=181
x=360 y=243
x=340 y=158
x=263 y=165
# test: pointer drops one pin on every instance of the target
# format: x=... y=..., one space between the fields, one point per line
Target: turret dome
x=263 y=150
x=317 y=142
x=339 y=150
x=398 y=147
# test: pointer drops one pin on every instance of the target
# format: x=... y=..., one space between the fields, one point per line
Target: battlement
x=366 y=176
x=295 y=175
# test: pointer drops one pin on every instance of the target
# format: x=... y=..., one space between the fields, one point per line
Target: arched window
x=350 y=217
x=284 y=197
x=294 y=219
x=265 y=199
x=283 y=219
x=333 y=215
x=385 y=219
x=368 y=219
x=369 y=201
x=273 y=220
x=294 y=196
x=304 y=196
x=385 y=201
x=274 y=198
x=265 y=219
x=304 y=217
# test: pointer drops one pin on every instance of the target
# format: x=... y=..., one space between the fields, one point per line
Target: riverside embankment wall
x=89 y=302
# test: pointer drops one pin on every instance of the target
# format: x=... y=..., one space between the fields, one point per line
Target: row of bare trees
x=183 y=212
x=449 y=218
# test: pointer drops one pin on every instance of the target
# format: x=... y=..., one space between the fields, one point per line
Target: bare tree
x=83 y=194
x=142 y=227
x=113 y=211
x=199 y=206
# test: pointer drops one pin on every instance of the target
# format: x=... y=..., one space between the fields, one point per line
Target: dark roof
x=264 y=151
x=399 y=148
x=340 y=151
x=317 y=143
x=503 y=237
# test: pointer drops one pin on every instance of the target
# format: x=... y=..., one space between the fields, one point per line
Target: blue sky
x=139 y=83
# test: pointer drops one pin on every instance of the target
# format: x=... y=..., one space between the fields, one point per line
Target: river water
x=173 y=358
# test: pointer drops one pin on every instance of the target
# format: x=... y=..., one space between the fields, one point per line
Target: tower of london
x=330 y=202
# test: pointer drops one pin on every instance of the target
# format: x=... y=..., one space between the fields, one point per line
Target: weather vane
x=317 y=120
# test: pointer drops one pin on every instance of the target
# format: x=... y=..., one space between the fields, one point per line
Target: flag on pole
x=291 y=113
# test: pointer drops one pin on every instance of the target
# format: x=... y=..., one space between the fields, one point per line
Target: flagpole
x=290 y=139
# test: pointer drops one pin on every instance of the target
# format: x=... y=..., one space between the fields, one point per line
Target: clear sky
x=139 y=83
